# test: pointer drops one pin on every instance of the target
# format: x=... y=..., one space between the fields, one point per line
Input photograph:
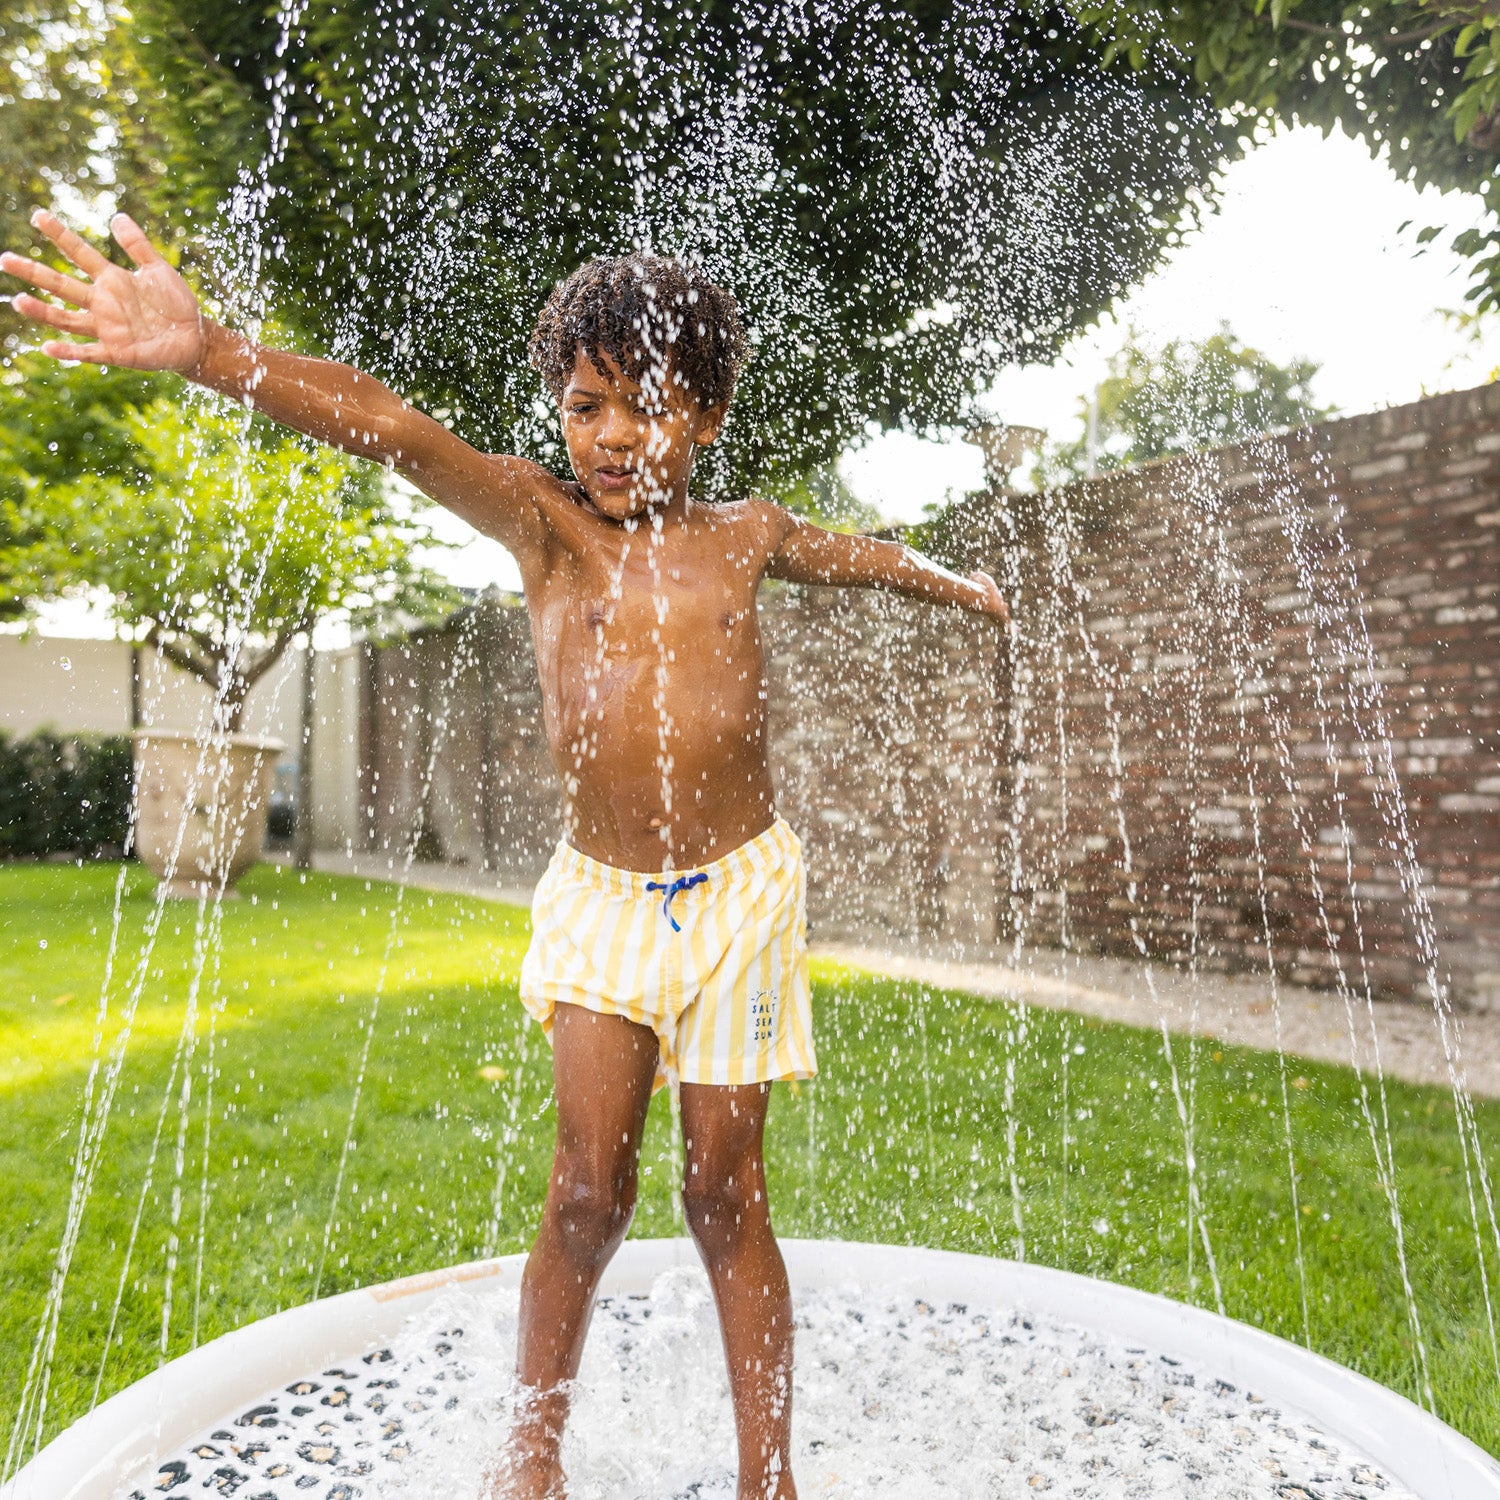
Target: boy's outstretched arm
x=149 y=319
x=809 y=554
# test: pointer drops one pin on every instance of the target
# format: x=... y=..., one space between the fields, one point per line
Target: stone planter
x=201 y=807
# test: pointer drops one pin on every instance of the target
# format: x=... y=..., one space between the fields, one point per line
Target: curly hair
x=658 y=319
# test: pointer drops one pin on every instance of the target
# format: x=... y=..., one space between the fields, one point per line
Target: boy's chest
x=678 y=596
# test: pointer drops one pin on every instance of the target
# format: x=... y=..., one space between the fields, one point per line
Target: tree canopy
x=50 y=97
x=55 y=424
x=1180 y=398
x=905 y=200
x=51 y=115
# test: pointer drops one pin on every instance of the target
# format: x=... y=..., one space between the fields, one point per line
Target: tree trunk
x=236 y=696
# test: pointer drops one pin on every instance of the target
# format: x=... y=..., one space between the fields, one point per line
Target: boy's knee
x=720 y=1206
x=593 y=1206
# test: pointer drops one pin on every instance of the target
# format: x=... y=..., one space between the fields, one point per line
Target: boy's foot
x=525 y=1475
x=529 y=1466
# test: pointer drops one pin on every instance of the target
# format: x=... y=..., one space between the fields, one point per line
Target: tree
x=906 y=200
x=1417 y=80
x=215 y=544
x=55 y=423
x=1179 y=399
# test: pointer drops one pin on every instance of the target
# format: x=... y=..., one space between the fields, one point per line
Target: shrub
x=62 y=794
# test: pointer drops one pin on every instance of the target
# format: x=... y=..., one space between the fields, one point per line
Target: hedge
x=64 y=794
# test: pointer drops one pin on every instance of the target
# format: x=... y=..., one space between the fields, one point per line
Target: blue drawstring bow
x=682 y=883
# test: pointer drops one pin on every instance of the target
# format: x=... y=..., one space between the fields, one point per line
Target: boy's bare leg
x=724 y=1198
x=602 y=1068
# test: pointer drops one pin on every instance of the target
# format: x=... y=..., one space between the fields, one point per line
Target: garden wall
x=1188 y=748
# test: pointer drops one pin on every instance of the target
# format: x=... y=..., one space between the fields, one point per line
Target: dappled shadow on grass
x=939 y=1119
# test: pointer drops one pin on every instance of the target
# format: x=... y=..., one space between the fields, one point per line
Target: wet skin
x=642 y=606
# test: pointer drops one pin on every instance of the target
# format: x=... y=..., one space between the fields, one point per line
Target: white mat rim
x=166 y=1409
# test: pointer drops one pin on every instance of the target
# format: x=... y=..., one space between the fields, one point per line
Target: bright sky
x=1306 y=257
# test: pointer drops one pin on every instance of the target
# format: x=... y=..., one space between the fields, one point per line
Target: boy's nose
x=618 y=432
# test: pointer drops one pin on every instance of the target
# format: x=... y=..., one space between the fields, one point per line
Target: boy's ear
x=710 y=423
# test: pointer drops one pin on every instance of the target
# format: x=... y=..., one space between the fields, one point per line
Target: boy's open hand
x=993 y=603
x=146 y=319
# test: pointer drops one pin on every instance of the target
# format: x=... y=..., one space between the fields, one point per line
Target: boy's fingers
x=23 y=268
x=133 y=240
x=89 y=354
x=54 y=317
x=75 y=247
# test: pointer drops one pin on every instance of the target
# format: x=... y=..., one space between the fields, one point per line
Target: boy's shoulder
x=541 y=482
x=750 y=514
x=757 y=527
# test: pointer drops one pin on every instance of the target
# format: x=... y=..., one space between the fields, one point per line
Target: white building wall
x=78 y=686
x=335 y=749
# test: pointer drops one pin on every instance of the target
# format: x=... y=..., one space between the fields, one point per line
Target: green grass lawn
x=906 y=1137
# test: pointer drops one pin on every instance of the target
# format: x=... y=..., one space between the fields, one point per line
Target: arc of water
x=215 y=1010
x=1110 y=690
x=99 y=1099
x=1228 y=597
x=425 y=782
x=1273 y=981
x=207 y=940
x=1378 y=1130
x=1041 y=612
x=1013 y=687
x=135 y=1223
x=1374 y=733
x=182 y=1057
x=98 y=1104
x=1064 y=916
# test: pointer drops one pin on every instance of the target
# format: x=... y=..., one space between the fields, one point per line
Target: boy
x=669 y=941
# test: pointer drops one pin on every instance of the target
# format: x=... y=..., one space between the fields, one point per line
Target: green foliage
x=1480 y=329
x=64 y=794
x=1417 y=80
x=1181 y=398
x=215 y=540
x=822 y=496
x=55 y=423
x=961 y=189
x=51 y=112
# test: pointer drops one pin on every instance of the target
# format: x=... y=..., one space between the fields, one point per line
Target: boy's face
x=630 y=452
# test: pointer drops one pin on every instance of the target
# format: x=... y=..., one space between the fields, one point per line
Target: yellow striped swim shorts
x=713 y=959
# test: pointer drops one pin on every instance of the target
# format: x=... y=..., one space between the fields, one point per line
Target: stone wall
x=1250 y=705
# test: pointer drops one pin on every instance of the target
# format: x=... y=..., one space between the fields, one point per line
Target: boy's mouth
x=615 y=477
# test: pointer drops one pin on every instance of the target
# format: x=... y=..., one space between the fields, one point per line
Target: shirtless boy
x=669 y=940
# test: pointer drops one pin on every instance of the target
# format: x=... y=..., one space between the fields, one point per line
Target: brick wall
x=1250 y=701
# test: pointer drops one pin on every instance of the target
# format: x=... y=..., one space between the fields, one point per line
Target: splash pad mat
x=919 y=1371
